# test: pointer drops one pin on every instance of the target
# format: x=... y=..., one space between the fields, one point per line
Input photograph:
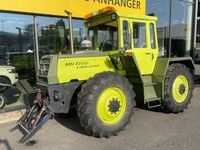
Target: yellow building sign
x=79 y=8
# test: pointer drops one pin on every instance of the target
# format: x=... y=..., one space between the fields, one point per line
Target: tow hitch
x=33 y=119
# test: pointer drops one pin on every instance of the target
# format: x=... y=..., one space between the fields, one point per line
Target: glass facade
x=160 y=8
x=53 y=35
x=17 y=44
x=16 y=41
x=197 y=52
x=179 y=39
x=181 y=33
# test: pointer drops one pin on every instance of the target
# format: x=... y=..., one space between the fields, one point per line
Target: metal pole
x=37 y=63
x=20 y=38
x=195 y=29
x=170 y=28
x=70 y=30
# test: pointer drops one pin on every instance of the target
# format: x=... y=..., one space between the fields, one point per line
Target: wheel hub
x=111 y=105
x=182 y=89
x=114 y=105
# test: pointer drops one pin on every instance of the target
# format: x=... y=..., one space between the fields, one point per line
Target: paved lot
x=149 y=130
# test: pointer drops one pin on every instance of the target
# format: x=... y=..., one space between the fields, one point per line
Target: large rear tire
x=105 y=104
x=178 y=88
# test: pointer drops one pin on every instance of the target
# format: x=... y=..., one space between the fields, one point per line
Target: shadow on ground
x=6 y=143
x=156 y=109
x=70 y=122
x=197 y=81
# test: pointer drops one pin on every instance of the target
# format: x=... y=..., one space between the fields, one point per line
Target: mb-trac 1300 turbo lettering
x=105 y=84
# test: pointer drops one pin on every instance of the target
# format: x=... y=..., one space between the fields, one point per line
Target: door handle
x=152 y=56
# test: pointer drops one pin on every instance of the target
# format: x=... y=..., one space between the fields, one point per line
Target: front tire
x=178 y=88
x=2 y=101
x=105 y=104
x=4 y=80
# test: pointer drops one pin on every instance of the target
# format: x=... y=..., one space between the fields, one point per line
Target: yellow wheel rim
x=111 y=105
x=180 y=89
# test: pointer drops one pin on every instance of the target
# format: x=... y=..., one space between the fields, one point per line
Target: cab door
x=144 y=45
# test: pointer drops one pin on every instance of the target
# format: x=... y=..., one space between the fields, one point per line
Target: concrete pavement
x=149 y=130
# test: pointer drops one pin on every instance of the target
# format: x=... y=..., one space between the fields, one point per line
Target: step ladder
x=153 y=102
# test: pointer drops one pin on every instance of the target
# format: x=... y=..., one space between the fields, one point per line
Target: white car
x=8 y=94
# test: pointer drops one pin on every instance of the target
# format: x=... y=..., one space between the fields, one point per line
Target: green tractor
x=105 y=84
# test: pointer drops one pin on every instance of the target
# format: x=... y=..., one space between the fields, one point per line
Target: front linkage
x=34 y=118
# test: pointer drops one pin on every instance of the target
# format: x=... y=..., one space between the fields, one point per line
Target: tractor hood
x=57 y=69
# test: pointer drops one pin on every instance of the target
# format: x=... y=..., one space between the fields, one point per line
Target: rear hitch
x=33 y=119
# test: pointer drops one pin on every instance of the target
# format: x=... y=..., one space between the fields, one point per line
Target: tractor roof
x=109 y=11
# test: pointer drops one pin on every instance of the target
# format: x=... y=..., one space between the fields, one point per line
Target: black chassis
x=60 y=96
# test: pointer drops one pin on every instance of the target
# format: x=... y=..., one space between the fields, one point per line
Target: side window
x=126 y=38
x=91 y=37
x=139 y=35
x=153 y=39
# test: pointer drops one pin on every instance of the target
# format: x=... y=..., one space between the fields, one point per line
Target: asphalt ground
x=148 y=130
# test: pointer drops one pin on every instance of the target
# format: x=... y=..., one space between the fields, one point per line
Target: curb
x=11 y=116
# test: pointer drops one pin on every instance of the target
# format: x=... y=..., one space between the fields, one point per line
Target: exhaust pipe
x=71 y=31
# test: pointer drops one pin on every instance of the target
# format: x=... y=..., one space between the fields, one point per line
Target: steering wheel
x=110 y=45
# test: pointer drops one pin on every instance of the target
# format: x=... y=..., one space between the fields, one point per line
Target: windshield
x=104 y=37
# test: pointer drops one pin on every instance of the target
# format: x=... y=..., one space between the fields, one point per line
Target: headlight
x=11 y=70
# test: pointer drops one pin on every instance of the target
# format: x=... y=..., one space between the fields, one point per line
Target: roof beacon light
x=100 y=11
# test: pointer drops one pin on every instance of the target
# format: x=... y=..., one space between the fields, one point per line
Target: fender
x=161 y=67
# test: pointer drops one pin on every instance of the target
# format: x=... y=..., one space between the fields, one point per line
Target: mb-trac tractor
x=105 y=84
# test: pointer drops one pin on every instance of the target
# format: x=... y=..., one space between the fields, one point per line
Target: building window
x=52 y=35
x=16 y=43
x=79 y=33
x=181 y=32
x=160 y=8
x=181 y=25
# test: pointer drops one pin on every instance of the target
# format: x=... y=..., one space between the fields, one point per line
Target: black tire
x=4 y=80
x=2 y=101
x=88 y=99
x=169 y=103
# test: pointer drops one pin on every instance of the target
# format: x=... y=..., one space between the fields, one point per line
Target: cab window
x=126 y=38
x=153 y=39
x=139 y=35
x=106 y=37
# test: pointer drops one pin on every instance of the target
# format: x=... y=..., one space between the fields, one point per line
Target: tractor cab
x=113 y=31
x=102 y=29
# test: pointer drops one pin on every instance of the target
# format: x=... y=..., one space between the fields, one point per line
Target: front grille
x=44 y=67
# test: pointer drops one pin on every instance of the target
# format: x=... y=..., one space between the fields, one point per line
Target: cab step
x=149 y=84
x=154 y=102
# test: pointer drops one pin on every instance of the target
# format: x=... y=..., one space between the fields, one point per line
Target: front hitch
x=33 y=119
